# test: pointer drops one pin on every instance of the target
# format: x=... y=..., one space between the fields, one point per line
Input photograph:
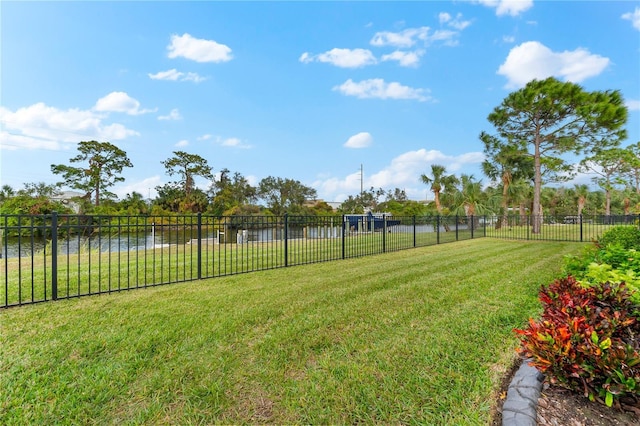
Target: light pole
x=361 y=181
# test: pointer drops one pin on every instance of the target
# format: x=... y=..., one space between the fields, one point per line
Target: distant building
x=66 y=198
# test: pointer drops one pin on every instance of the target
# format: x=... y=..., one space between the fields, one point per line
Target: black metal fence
x=556 y=228
x=50 y=257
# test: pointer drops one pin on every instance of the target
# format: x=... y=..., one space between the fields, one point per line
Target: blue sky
x=301 y=90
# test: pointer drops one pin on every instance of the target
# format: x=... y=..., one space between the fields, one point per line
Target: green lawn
x=29 y=279
x=588 y=232
x=417 y=336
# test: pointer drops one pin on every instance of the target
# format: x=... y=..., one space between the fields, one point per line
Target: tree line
x=543 y=135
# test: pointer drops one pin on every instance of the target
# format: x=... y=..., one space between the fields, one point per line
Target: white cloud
x=359 y=140
x=410 y=36
x=458 y=23
x=508 y=7
x=405 y=59
x=634 y=17
x=204 y=137
x=508 y=39
x=172 y=75
x=403 y=172
x=120 y=102
x=146 y=187
x=533 y=60
x=444 y=17
x=234 y=143
x=182 y=143
x=173 y=115
x=199 y=50
x=42 y=126
x=175 y=75
x=404 y=38
x=344 y=58
x=378 y=88
x=633 y=104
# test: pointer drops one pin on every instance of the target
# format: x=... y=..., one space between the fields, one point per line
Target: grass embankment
x=417 y=336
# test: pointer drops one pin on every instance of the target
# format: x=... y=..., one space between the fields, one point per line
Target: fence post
x=344 y=232
x=472 y=220
x=414 y=230
x=456 y=227
x=3 y=251
x=54 y=255
x=529 y=224
x=384 y=233
x=580 y=219
x=485 y=226
x=437 y=229
x=199 y=245
x=286 y=239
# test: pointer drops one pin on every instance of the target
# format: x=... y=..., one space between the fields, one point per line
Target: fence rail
x=50 y=257
x=556 y=228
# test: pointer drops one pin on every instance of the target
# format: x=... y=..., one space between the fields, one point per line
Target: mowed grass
x=551 y=232
x=418 y=336
x=29 y=279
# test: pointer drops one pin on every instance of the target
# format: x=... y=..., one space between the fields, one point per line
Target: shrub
x=620 y=258
x=626 y=236
x=587 y=339
x=598 y=273
x=577 y=265
x=612 y=263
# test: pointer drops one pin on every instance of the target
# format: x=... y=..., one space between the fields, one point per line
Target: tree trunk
x=506 y=180
x=523 y=214
x=536 y=214
x=581 y=202
x=627 y=206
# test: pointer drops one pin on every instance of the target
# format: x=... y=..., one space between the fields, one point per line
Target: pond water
x=29 y=246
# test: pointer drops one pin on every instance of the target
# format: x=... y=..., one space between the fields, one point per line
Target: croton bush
x=587 y=339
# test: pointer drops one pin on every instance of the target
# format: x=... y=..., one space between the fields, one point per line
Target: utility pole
x=361 y=181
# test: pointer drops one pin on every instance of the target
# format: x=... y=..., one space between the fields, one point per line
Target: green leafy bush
x=587 y=339
x=626 y=236
x=620 y=258
x=576 y=265
x=612 y=263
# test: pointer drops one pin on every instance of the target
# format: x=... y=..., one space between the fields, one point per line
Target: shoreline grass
x=417 y=336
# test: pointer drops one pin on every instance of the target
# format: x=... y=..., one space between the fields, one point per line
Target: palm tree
x=6 y=192
x=505 y=162
x=552 y=198
x=439 y=182
x=134 y=203
x=469 y=198
x=581 y=193
x=522 y=193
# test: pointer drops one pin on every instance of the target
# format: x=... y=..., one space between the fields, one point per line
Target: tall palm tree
x=470 y=197
x=581 y=192
x=505 y=163
x=6 y=192
x=439 y=182
x=551 y=198
x=522 y=194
